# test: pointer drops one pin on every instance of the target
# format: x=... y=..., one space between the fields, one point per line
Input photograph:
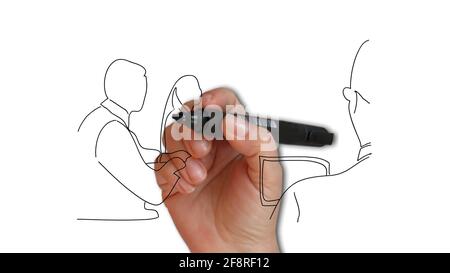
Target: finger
x=255 y=143
x=179 y=137
x=206 y=157
x=195 y=143
x=194 y=172
x=199 y=147
x=222 y=97
x=169 y=180
x=164 y=157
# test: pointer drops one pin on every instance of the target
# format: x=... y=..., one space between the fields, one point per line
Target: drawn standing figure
x=116 y=147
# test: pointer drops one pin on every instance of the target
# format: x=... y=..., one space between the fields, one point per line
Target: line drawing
x=353 y=97
x=347 y=93
x=298 y=207
x=117 y=148
x=116 y=145
x=354 y=61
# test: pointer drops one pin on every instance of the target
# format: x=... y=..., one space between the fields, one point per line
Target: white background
x=286 y=58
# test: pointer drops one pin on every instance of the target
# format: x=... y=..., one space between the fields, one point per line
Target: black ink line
x=124 y=122
x=328 y=173
x=81 y=124
x=354 y=61
x=173 y=95
x=298 y=207
x=282 y=159
x=119 y=220
x=170 y=97
x=313 y=177
x=101 y=130
x=122 y=183
x=358 y=95
x=145 y=75
x=122 y=219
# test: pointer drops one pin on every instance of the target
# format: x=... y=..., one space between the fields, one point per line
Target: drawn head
x=126 y=84
x=360 y=75
x=358 y=94
x=185 y=89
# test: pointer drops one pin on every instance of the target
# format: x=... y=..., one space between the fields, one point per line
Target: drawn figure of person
x=358 y=111
x=116 y=147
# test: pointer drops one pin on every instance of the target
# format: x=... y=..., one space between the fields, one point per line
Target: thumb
x=255 y=144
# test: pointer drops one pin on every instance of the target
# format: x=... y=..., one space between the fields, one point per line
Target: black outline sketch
x=173 y=94
x=262 y=159
x=354 y=61
x=298 y=207
x=357 y=96
x=170 y=98
x=81 y=124
x=121 y=220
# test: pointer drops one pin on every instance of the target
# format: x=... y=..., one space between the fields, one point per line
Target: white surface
x=289 y=58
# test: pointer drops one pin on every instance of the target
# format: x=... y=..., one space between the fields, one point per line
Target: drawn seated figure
x=359 y=94
x=131 y=189
x=185 y=89
x=311 y=168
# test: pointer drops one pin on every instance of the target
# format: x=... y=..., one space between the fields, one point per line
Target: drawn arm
x=118 y=153
x=147 y=154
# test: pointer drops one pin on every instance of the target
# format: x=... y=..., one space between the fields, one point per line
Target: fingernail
x=195 y=170
x=200 y=147
x=186 y=187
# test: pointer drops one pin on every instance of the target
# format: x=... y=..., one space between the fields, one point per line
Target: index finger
x=221 y=97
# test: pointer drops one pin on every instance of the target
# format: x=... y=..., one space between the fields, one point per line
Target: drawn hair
x=173 y=101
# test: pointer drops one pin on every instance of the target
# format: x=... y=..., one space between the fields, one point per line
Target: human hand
x=216 y=203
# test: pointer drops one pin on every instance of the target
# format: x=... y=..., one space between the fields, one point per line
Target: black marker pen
x=284 y=132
